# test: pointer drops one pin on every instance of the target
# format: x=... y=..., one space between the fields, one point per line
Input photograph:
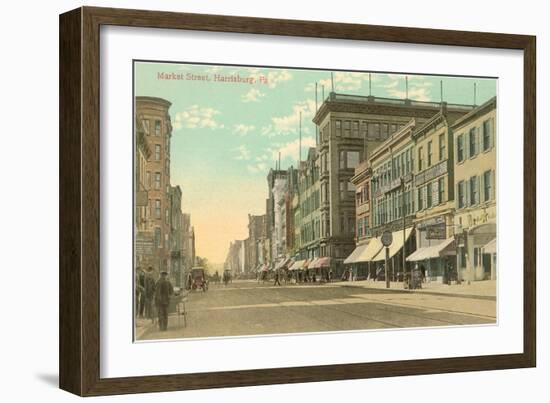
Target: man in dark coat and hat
x=163 y=292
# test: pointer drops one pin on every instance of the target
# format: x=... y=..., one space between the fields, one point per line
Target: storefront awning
x=396 y=245
x=352 y=258
x=447 y=247
x=372 y=249
x=491 y=247
x=323 y=262
x=313 y=263
x=297 y=265
x=284 y=263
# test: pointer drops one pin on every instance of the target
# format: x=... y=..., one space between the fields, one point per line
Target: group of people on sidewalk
x=296 y=276
x=153 y=295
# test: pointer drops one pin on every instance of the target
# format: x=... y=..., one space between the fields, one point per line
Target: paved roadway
x=248 y=308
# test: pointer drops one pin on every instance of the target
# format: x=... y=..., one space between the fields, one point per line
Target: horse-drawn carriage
x=197 y=279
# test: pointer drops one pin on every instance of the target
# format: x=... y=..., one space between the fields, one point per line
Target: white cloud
x=274 y=77
x=253 y=95
x=257 y=167
x=343 y=81
x=196 y=117
x=242 y=129
x=243 y=153
x=289 y=124
x=290 y=149
x=419 y=89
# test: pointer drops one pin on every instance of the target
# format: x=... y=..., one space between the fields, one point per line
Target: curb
x=405 y=291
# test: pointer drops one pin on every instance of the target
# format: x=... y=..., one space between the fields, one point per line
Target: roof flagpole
x=370 y=86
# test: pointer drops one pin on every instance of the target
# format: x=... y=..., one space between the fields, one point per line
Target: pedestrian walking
x=149 y=293
x=141 y=281
x=277 y=281
x=138 y=292
x=163 y=292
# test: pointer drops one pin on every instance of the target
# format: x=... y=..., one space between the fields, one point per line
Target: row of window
x=349 y=159
x=431 y=194
x=361 y=129
x=147 y=127
x=362 y=195
x=390 y=207
x=363 y=229
x=158 y=239
x=309 y=180
x=429 y=157
x=310 y=203
x=156 y=177
x=347 y=189
x=310 y=231
x=468 y=145
x=400 y=165
x=477 y=189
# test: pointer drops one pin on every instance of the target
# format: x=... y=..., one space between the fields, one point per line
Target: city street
x=249 y=308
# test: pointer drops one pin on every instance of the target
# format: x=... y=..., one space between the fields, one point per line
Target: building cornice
x=474 y=114
x=382 y=106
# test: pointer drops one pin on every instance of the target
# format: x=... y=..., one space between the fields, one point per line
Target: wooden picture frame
x=79 y=279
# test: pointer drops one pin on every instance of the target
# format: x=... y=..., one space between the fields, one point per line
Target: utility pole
x=406 y=87
x=332 y=80
x=300 y=142
x=475 y=93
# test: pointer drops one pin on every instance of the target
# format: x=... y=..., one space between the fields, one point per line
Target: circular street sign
x=387 y=238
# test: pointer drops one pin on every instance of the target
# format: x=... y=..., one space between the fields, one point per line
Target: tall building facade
x=350 y=128
x=256 y=236
x=277 y=188
x=176 y=236
x=475 y=189
x=142 y=232
x=308 y=203
x=153 y=119
x=188 y=241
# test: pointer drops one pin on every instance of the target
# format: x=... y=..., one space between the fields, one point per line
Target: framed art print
x=250 y=201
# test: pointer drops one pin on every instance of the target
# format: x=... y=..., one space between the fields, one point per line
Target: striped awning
x=313 y=263
x=322 y=262
x=283 y=264
x=297 y=265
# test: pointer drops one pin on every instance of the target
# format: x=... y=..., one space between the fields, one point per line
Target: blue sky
x=226 y=135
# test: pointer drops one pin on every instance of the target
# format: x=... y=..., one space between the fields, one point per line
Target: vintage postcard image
x=272 y=200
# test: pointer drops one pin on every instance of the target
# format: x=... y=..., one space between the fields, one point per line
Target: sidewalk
x=142 y=326
x=476 y=289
